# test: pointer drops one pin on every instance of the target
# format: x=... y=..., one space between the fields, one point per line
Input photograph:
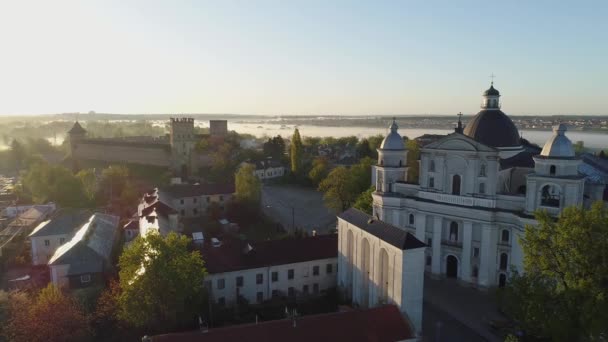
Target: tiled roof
x=386 y=232
x=379 y=324
x=192 y=190
x=231 y=257
x=64 y=221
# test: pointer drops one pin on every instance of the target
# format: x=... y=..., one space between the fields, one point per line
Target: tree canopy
x=274 y=148
x=563 y=294
x=342 y=186
x=161 y=282
x=248 y=185
x=296 y=152
x=320 y=169
x=413 y=155
x=365 y=201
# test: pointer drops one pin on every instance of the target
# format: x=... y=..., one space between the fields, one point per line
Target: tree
x=51 y=316
x=320 y=169
x=248 y=185
x=89 y=182
x=105 y=322
x=17 y=154
x=365 y=201
x=337 y=188
x=296 y=152
x=579 y=147
x=363 y=149
x=45 y=183
x=563 y=294
x=413 y=155
x=161 y=282
x=113 y=181
x=274 y=147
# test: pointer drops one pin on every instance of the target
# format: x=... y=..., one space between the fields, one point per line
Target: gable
x=458 y=142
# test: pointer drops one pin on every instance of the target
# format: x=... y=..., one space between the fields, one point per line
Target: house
x=380 y=324
x=23 y=224
x=267 y=168
x=82 y=261
x=194 y=200
x=131 y=229
x=12 y=211
x=49 y=235
x=277 y=268
x=155 y=214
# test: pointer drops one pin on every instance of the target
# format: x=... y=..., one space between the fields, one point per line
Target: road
x=289 y=205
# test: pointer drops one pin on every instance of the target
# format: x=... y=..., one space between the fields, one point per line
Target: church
x=477 y=189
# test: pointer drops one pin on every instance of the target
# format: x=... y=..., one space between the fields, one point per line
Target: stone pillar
x=421 y=227
x=467 y=237
x=487 y=269
x=437 y=226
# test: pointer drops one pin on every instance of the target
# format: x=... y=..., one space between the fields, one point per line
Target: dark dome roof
x=493 y=128
x=491 y=91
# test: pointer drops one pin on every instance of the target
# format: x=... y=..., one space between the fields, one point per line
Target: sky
x=302 y=57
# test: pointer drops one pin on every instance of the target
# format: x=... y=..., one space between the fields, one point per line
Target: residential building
x=268 y=168
x=23 y=224
x=155 y=214
x=49 y=235
x=83 y=261
x=194 y=200
x=15 y=210
x=277 y=268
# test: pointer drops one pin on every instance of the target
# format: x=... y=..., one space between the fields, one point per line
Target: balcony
x=451 y=243
x=458 y=200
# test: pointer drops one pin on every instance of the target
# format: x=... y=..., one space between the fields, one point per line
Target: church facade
x=477 y=190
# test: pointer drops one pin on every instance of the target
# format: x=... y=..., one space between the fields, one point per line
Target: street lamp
x=293 y=216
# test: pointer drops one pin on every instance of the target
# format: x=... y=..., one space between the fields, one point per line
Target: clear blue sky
x=302 y=57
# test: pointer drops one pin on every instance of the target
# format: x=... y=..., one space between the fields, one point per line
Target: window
x=505 y=236
x=315 y=270
x=305 y=289
x=482 y=188
x=239 y=281
x=221 y=283
x=275 y=276
x=259 y=278
x=181 y=201
x=62 y=240
x=429 y=260
x=182 y=212
x=315 y=288
x=291 y=292
x=328 y=268
x=221 y=301
x=482 y=170
x=432 y=166
x=504 y=258
x=552 y=170
x=453 y=231
x=290 y=274
x=431 y=182
x=47 y=242
x=550 y=196
x=411 y=219
x=194 y=200
x=259 y=297
x=195 y=211
x=476 y=252
x=275 y=293
x=429 y=241
x=456 y=185
x=86 y=278
x=475 y=272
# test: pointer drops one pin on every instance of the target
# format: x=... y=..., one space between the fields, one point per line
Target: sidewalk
x=471 y=307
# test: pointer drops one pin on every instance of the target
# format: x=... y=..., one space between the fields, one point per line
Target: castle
x=174 y=150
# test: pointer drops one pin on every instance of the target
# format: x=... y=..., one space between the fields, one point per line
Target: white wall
x=42 y=253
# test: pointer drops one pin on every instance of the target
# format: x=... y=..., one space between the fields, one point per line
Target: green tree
x=274 y=147
x=320 y=169
x=89 y=182
x=161 y=282
x=365 y=201
x=413 y=155
x=17 y=154
x=563 y=294
x=46 y=183
x=113 y=181
x=248 y=186
x=363 y=149
x=296 y=152
x=579 y=147
x=337 y=189
x=374 y=143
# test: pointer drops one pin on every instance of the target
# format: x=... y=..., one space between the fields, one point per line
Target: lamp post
x=293 y=215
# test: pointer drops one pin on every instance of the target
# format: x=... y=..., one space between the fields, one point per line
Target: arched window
x=482 y=188
x=411 y=218
x=428 y=260
x=456 y=185
x=482 y=170
x=550 y=195
x=453 y=231
x=552 y=170
x=431 y=182
x=505 y=236
x=502 y=280
x=504 y=258
x=432 y=166
x=475 y=272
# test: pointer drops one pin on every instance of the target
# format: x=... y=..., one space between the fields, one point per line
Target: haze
x=301 y=57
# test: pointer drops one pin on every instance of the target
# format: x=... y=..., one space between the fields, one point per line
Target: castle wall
x=159 y=155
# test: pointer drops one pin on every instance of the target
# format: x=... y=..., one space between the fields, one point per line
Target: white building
x=380 y=264
x=154 y=214
x=268 y=169
x=478 y=188
x=193 y=200
x=277 y=268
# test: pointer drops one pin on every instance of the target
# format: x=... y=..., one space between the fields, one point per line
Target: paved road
x=438 y=326
x=308 y=211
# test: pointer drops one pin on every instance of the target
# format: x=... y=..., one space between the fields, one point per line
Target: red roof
x=379 y=324
x=231 y=256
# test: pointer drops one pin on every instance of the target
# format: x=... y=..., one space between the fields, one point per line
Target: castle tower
x=555 y=183
x=75 y=135
x=182 y=141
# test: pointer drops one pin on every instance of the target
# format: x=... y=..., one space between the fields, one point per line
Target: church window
x=453 y=231
x=482 y=170
x=411 y=219
x=400 y=163
x=429 y=260
x=432 y=166
x=476 y=252
x=482 y=188
x=431 y=182
x=475 y=272
x=550 y=195
x=505 y=236
x=503 y=261
x=456 y=185
x=552 y=170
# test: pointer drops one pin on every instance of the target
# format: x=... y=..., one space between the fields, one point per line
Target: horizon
x=301 y=59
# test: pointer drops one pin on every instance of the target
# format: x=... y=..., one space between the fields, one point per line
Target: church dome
x=491 y=91
x=393 y=140
x=494 y=128
x=558 y=146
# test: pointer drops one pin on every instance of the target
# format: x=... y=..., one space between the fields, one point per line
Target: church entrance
x=451 y=267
